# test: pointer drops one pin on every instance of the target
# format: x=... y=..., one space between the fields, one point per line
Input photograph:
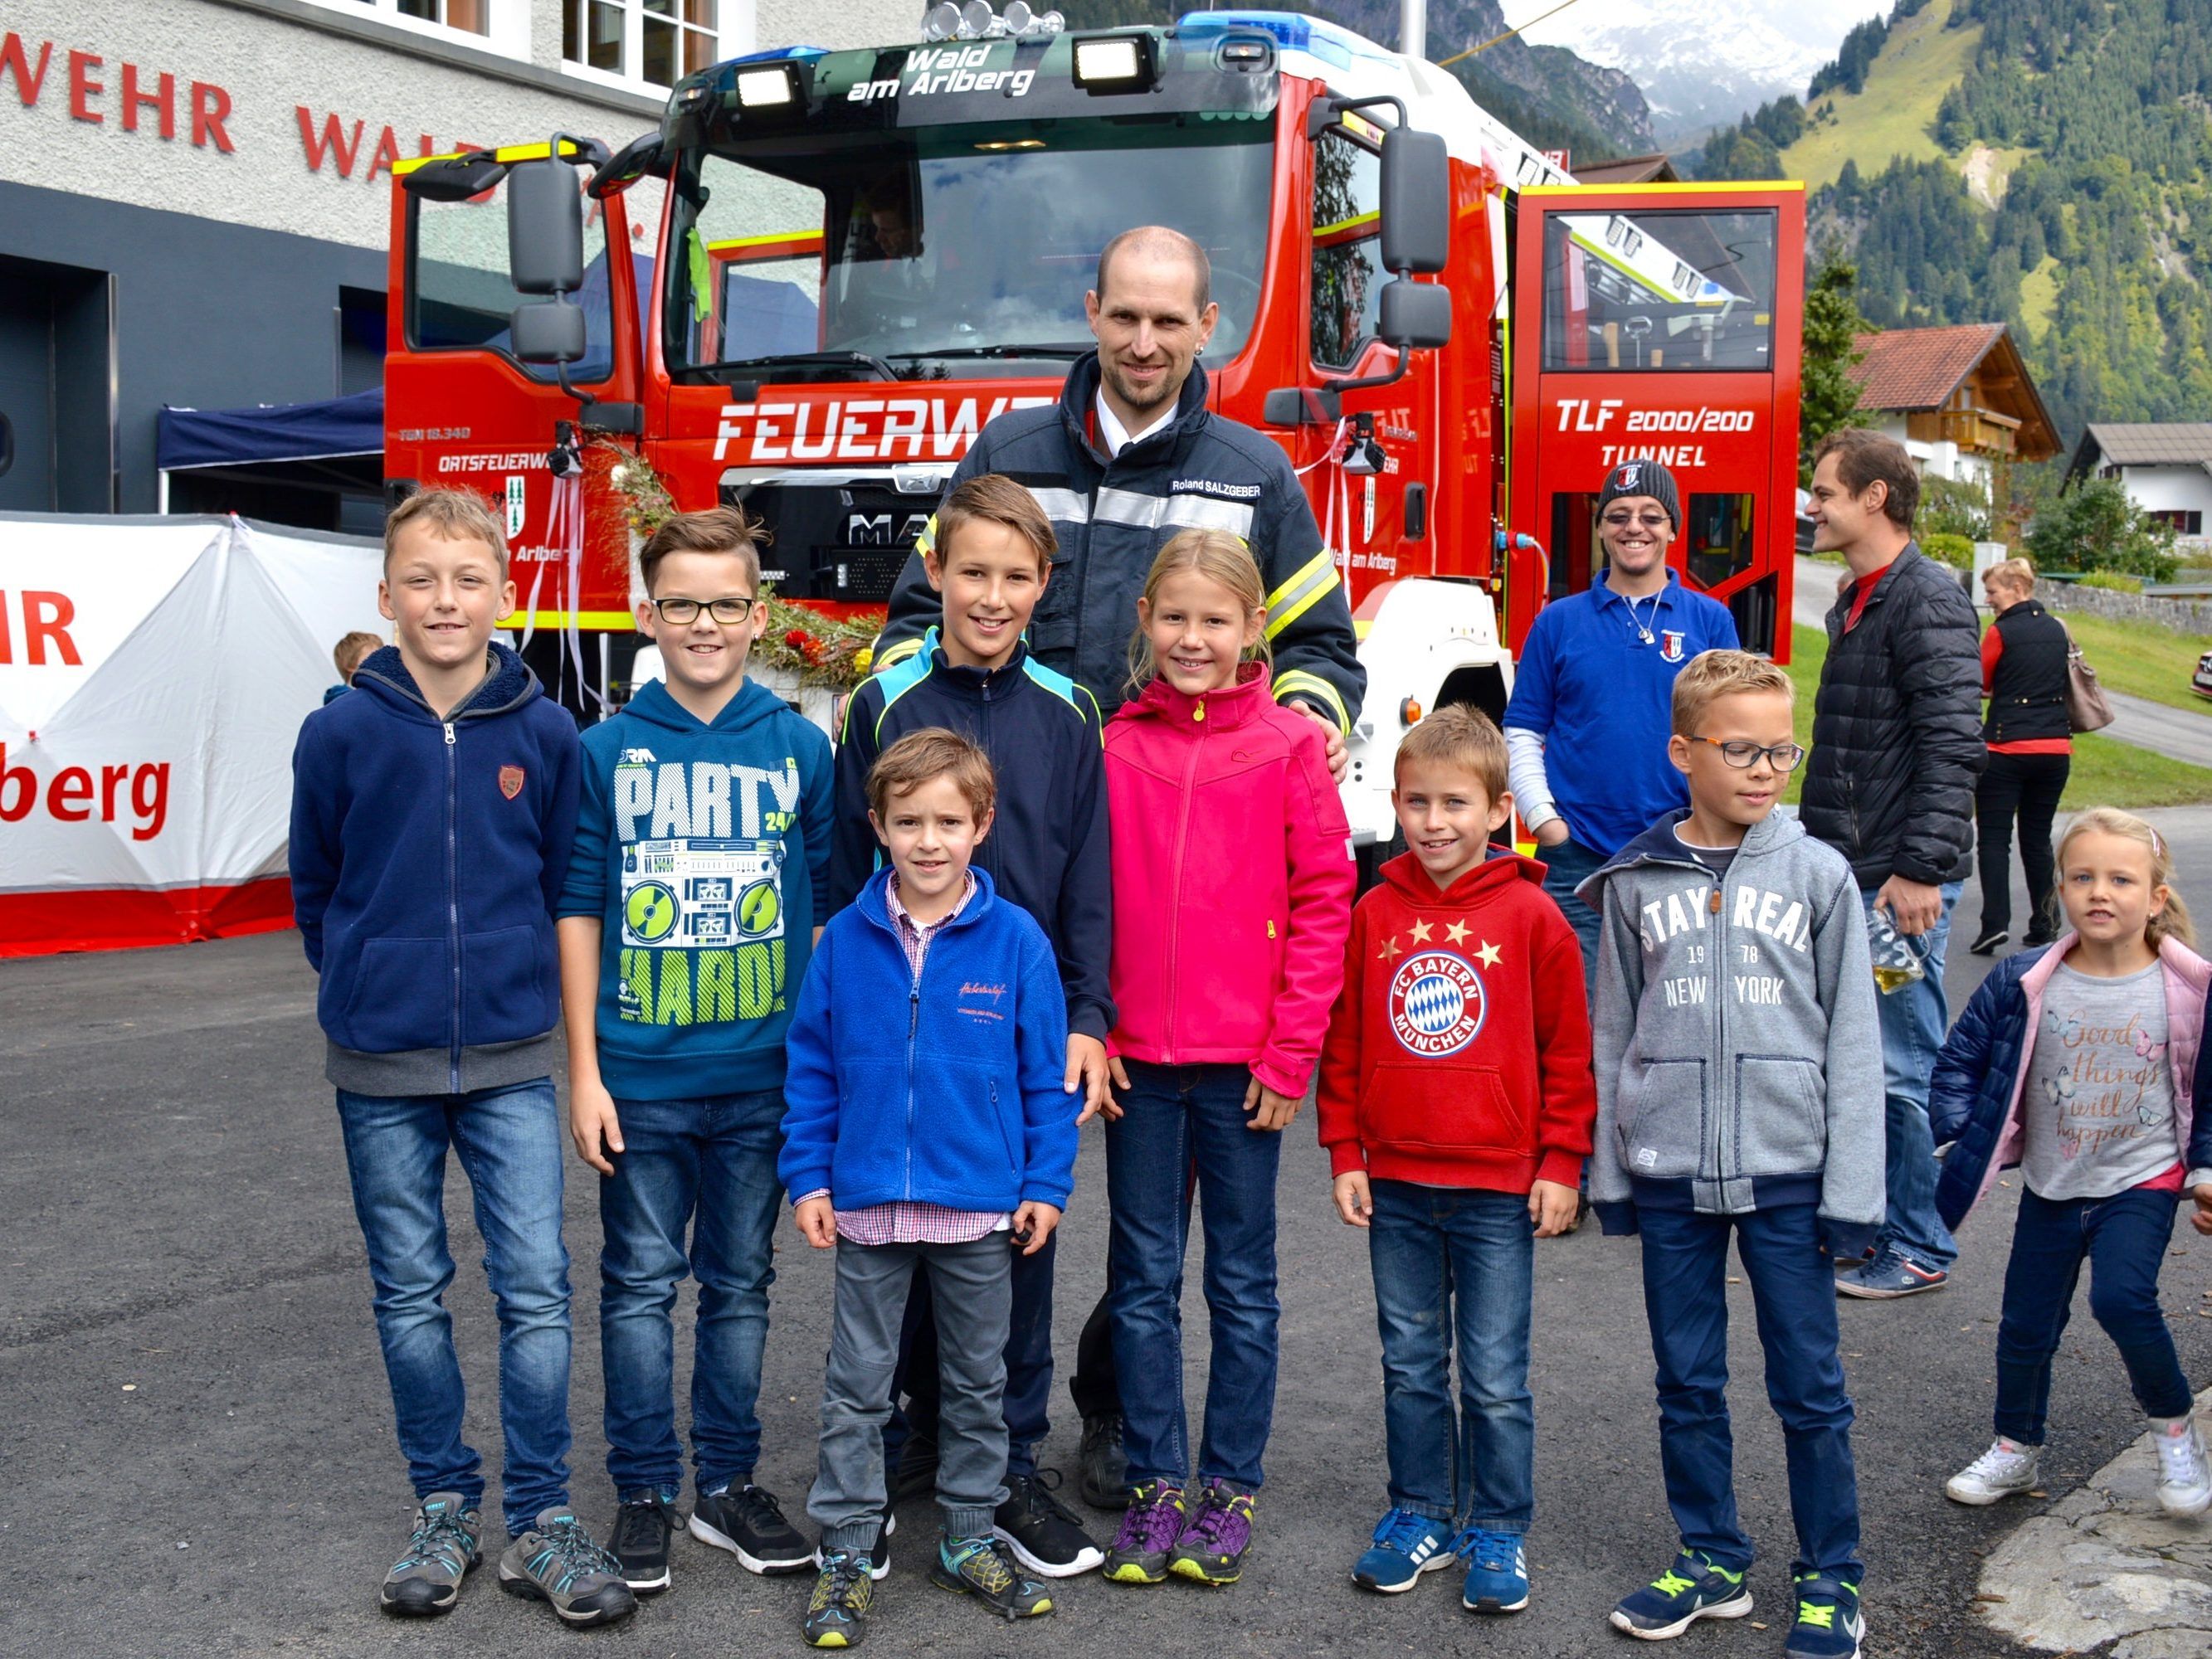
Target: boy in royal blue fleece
x=990 y=561
x=689 y=914
x=431 y=818
x=927 y=1128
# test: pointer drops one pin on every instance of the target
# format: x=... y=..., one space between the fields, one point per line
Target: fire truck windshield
x=1659 y=290
x=839 y=259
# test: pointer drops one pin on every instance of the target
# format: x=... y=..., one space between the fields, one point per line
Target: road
x=2182 y=734
x=199 y=1441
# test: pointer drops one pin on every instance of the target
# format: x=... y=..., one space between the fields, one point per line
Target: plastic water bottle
x=1898 y=957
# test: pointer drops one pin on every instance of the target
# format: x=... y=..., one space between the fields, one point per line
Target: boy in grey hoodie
x=1740 y=1090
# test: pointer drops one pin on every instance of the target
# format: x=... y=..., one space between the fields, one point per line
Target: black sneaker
x=837 y=1613
x=915 y=1475
x=643 y=1526
x=978 y=1567
x=1105 y=1467
x=878 y=1553
x=748 y=1522
x=1043 y=1535
x=1991 y=937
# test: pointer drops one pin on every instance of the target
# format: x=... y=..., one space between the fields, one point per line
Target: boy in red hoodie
x=1455 y=1102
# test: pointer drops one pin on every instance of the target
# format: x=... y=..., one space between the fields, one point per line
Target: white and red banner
x=154 y=673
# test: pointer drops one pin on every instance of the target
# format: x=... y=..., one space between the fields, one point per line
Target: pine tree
x=1828 y=394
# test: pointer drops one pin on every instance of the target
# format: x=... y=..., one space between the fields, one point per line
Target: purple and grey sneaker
x=1150 y=1527
x=1211 y=1548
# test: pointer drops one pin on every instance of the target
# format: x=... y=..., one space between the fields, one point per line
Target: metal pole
x=1413 y=27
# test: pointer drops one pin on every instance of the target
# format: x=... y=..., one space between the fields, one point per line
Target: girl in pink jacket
x=1232 y=902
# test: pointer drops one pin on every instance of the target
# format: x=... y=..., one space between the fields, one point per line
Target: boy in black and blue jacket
x=702 y=846
x=928 y=1128
x=991 y=562
x=431 y=818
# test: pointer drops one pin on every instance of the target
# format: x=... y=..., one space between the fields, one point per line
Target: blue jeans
x=1793 y=1292
x=2124 y=1239
x=1175 y=1117
x=1913 y=1020
x=509 y=1142
x=707 y=1165
x=1566 y=867
x=1452 y=1270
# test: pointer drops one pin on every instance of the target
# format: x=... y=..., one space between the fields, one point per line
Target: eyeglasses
x=1622 y=520
x=1743 y=754
x=681 y=613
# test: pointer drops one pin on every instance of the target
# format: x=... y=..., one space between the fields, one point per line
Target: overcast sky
x=1826 y=21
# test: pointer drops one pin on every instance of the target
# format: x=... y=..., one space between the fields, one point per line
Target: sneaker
x=555 y=1561
x=2006 y=1468
x=878 y=1553
x=643 y=1526
x=1211 y=1548
x=1694 y=1588
x=1150 y=1527
x=1889 y=1276
x=1829 y=1624
x=441 y=1551
x=1039 y=1529
x=837 y=1613
x=748 y=1522
x=1497 y=1570
x=978 y=1567
x=2184 y=1477
x=1407 y=1545
x=1990 y=939
x=914 y=1475
x=1104 y=1479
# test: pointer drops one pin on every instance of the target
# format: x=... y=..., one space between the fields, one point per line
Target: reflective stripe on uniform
x=1062 y=505
x=1301 y=592
x=1128 y=507
x=1297 y=682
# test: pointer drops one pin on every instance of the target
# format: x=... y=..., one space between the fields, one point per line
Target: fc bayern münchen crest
x=1437 y=1003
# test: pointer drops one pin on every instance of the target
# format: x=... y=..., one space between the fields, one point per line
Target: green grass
x=2106 y=772
x=1896 y=114
x=2141 y=658
x=2039 y=296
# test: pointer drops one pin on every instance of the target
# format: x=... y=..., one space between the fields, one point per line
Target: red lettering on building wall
x=82 y=87
x=14 y=60
x=333 y=141
x=211 y=109
x=388 y=156
x=164 y=99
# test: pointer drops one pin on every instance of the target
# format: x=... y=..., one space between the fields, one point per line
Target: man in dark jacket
x=1130 y=456
x=1897 y=745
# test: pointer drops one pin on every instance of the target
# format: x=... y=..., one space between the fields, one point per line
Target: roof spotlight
x=941 y=22
x=976 y=19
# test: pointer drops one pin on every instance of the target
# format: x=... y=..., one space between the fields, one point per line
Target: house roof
x=1912 y=369
x=2179 y=443
x=1656 y=169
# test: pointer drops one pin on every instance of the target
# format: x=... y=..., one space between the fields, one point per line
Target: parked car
x=2201 y=682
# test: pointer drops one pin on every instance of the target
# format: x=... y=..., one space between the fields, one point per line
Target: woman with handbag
x=2024 y=675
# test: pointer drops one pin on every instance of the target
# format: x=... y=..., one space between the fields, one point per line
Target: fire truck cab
x=825 y=272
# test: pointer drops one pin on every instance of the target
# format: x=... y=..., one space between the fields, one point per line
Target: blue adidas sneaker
x=1497 y=1570
x=1407 y=1545
x=1829 y=1624
x=1696 y=1586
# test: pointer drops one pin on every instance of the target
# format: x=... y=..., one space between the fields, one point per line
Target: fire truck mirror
x=547 y=331
x=1416 y=200
x=544 y=228
x=1416 y=316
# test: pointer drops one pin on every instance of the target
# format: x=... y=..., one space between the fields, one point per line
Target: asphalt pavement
x=200 y=1453
x=2182 y=734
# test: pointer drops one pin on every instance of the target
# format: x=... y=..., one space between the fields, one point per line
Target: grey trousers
x=972 y=1285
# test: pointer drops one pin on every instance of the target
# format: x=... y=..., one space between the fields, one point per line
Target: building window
x=501 y=26
x=2185 y=521
x=654 y=42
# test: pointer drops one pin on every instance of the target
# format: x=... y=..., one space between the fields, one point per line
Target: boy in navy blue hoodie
x=431 y=818
x=928 y=1128
x=990 y=560
x=689 y=914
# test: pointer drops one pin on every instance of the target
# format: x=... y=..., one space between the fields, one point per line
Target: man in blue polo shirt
x=1593 y=693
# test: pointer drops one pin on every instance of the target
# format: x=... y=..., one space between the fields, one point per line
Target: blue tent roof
x=274 y=432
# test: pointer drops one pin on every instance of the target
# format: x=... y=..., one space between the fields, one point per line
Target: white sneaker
x=2005 y=1468
x=2185 y=1473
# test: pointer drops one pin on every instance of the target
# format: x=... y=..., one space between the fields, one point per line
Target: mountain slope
x=1922 y=58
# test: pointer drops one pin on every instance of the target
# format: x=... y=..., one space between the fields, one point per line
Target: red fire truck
x=827 y=270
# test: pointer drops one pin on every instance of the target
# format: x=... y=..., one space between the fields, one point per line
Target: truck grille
x=841 y=536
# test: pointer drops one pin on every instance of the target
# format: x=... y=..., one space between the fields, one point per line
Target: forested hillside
x=2059 y=178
